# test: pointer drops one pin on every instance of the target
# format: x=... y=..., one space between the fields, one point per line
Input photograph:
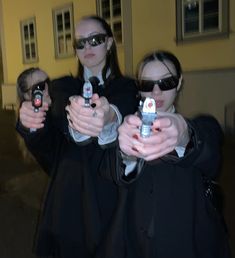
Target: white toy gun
x=87 y=93
x=147 y=112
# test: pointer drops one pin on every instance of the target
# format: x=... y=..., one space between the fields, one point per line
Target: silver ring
x=94 y=114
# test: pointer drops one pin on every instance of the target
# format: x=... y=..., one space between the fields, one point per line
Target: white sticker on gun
x=147 y=112
x=87 y=93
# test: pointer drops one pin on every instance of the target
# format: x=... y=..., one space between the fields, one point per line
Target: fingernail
x=93 y=105
x=157 y=129
x=134 y=149
x=135 y=136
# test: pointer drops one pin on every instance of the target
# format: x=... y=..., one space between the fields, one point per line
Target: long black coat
x=81 y=199
x=171 y=208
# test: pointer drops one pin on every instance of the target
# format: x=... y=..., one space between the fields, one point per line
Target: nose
x=156 y=91
x=87 y=45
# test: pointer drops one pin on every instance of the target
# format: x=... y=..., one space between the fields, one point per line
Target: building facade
x=200 y=33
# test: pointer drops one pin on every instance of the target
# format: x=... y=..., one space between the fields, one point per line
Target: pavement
x=22 y=184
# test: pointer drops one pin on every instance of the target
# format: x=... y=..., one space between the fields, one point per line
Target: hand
x=89 y=120
x=168 y=131
x=29 y=118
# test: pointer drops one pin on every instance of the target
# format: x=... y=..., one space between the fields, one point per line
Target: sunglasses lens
x=168 y=83
x=41 y=85
x=96 y=40
x=146 y=85
x=93 y=41
x=79 y=43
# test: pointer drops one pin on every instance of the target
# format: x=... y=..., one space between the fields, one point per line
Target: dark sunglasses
x=40 y=85
x=164 y=84
x=93 y=41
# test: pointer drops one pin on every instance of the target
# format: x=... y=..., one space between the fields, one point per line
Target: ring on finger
x=94 y=114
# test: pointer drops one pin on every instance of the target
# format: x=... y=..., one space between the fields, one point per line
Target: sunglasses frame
x=93 y=40
x=40 y=85
x=164 y=84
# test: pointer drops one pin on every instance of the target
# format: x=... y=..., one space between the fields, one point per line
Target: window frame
x=69 y=51
x=112 y=20
x=223 y=26
x=29 y=41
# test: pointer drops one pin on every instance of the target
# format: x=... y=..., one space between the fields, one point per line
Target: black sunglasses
x=40 y=85
x=93 y=41
x=164 y=84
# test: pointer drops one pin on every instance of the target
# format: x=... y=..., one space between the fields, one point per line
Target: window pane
x=68 y=42
x=211 y=14
x=33 y=50
x=191 y=14
x=105 y=9
x=26 y=32
x=67 y=20
x=59 y=19
x=116 y=8
x=31 y=30
x=61 y=44
x=117 y=30
x=27 y=51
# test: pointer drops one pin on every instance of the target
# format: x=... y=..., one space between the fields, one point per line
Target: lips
x=159 y=103
x=89 y=55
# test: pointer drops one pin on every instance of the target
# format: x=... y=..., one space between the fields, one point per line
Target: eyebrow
x=90 y=34
x=162 y=77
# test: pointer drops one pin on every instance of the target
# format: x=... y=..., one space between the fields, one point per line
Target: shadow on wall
x=1 y=74
x=208 y=92
x=230 y=118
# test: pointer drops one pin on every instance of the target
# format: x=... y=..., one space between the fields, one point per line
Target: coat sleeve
x=44 y=144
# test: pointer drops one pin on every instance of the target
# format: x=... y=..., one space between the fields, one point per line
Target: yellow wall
x=156 y=29
x=13 y=11
x=152 y=27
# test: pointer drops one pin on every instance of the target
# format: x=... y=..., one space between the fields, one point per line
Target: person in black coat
x=81 y=199
x=171 y=209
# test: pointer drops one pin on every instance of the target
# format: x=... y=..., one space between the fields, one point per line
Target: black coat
x=81 y=198
x=172 y=210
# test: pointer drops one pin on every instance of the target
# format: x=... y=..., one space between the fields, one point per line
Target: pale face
x=92 y=57
x=155 y=70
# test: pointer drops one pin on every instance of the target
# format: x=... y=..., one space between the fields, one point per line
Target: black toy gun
x=37 y=96
x=147 y=112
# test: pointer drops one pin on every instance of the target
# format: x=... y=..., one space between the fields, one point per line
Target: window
x=201 y=19
x=111 y=11
x=29 y=40
x=63 y=31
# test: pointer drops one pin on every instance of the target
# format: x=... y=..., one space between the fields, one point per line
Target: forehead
x=87 y=27
x=37 y=76
x=156 y=69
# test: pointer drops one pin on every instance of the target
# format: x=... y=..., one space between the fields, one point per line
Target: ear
x=180 y=83
x=109 y=43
